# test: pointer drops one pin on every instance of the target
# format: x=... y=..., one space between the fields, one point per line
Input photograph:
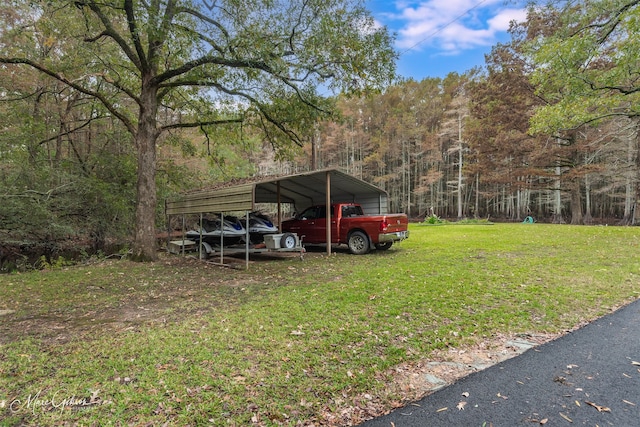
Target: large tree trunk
x=588 y=219
x=634 y=217
x=144 y=248
x=576 y=203
x=628 y=201
x=459 y=167
x=557 y=205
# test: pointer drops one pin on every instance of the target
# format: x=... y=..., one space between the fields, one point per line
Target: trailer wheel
x=358 y=243
x=288 y=241
x=205 y=250
x=383 y=246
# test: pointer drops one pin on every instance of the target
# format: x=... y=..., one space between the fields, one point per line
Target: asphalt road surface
x=590 y=377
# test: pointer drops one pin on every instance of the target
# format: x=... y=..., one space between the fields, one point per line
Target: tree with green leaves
x=587 y=64
x=587 y=67
x=161 y=66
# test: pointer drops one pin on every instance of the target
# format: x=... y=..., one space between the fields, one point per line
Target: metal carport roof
x=301 y=190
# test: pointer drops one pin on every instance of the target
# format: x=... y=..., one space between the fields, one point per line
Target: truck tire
x=288 y=241
x=383 y=246
x=358 y=243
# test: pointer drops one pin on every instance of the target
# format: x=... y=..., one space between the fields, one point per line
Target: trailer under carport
x=302 y=190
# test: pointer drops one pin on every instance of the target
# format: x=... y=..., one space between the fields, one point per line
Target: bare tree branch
x=184 y=125
x=111 y=32
x=57 y=76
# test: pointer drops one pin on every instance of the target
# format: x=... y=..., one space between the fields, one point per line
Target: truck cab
x=350 y=226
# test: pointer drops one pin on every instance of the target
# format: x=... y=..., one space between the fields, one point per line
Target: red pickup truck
x=350 y=226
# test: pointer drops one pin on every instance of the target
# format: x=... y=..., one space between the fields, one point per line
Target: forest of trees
x=412 y=139
x=548 y=128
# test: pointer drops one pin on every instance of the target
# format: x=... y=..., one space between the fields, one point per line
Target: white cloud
x=451 y=26
x=503 y=19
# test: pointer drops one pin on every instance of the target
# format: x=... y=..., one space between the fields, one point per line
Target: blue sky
x=436 y=37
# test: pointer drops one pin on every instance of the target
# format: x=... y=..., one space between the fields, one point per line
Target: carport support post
x=328 y=213
x=221 y=238
x=279 y=207
x=168 y=227
x=246 y=247
x=200 y=245
x=183 y=232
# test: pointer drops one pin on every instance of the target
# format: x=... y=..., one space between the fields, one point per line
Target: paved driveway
x=590 y=377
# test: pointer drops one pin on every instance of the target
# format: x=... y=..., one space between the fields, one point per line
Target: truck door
x=321 y=225
x=305 y=225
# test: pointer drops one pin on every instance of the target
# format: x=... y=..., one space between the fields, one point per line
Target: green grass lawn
x=289 y=342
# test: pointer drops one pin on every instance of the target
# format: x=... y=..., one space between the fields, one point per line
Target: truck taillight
x=384 y=225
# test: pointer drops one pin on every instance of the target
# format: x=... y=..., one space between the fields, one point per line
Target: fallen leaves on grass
x=124 y=380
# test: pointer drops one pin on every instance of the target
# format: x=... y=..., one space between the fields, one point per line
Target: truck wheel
x=288 y=241
x=383 y=246
x=358 y=243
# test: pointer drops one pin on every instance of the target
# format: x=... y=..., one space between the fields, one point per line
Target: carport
x=302 y=190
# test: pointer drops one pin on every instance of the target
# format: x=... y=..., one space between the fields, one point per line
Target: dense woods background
x=548 y=128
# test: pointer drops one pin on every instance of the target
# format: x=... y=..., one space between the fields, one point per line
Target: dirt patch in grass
x=186 y=287
x=170 y=302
